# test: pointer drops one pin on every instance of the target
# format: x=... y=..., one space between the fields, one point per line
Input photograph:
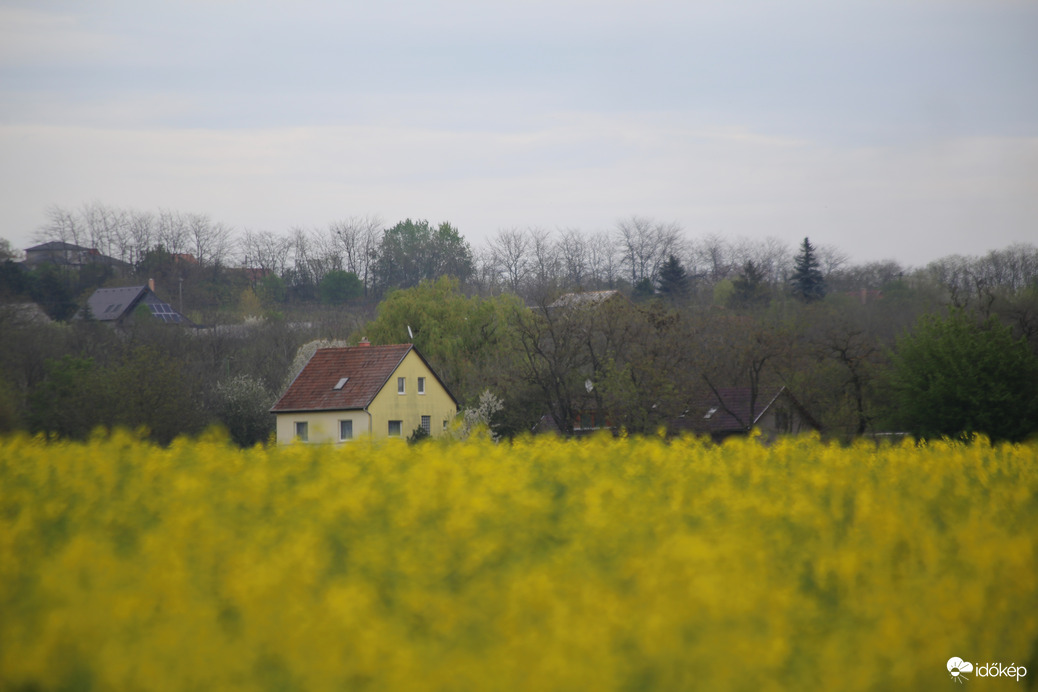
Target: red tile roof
x=368 y=367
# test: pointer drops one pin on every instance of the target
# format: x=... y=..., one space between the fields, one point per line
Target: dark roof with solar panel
x=115 y=305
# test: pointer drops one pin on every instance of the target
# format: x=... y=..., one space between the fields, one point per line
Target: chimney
x=364 y=342
x=151 y=285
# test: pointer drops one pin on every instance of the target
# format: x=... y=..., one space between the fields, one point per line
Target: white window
x=341 y=383
x=302 y=430
x=427 y=424
x=400 y=385
x=395 y=426
x=345 y=430
x=421 y=385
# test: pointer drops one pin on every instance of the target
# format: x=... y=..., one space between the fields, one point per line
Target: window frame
x=302 y=430
x=401 y=385
x=341 y=423
x=427 y=424
x=421 y=386
x=399 y=428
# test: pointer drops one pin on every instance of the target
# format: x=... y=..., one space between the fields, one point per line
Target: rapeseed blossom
x=544 y=564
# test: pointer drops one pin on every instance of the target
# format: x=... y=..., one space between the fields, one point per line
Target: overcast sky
x=903 y=129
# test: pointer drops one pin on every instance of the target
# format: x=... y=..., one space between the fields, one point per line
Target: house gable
x=408 y=407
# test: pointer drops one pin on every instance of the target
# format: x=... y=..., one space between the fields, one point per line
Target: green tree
x=50 y=288
x=674 y=282
x=465 y=339
x=807 y=280
x=643 y=291
x=271 y=289
x=10 y=416
x=69 y=399
x=243 y=406
x=152 y=388
x=146 y=388
x=338 y=286
x=750 y=291
x=414 y=251
x=14 y=281
x=7 y=251
x=954 y=375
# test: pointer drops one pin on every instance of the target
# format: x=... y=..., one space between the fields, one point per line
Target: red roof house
x=381 y=391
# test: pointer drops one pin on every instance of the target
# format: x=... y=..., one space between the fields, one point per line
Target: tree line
x=637 y=254
x=694 y=315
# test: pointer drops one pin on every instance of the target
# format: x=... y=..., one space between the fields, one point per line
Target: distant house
x=342 y=394
x=733 y=411
x=64 y=254
x=118 y=306
x=585 y=299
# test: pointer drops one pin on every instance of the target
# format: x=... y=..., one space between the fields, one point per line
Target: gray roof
x=113 y=304
x=57 y=245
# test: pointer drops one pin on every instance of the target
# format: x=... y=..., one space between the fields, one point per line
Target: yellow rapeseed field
x=593 y=564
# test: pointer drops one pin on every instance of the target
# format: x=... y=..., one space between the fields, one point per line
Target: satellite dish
x=410 y=334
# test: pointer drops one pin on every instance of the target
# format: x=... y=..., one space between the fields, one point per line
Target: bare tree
x=265 y=250
x=511 y=249
x=604 y=261
x=62 y=225
x=1012 y=269
x=357 y=238
x=742 y=352
x=209 y=241
x=106 y=229
x=871 y=276
x=486 y=278
x=305 y=258
x=772 y=257
x=545 y=259
x=573 y=254
x=141 y=232
x=645 y=246
x=172 y=232
x=714 y=258
x=831 y=259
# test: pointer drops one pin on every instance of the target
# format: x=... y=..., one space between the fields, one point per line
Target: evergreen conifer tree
x=674 y=283
x=750 y=289
x=807 y=280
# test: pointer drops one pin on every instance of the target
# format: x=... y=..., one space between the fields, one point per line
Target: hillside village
x=639 y=329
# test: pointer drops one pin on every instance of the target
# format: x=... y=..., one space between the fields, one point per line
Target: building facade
x=343 y=394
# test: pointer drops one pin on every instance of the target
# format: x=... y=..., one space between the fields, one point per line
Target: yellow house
x=379 y=391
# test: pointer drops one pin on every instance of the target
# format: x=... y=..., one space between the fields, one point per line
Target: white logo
x=957 y=667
